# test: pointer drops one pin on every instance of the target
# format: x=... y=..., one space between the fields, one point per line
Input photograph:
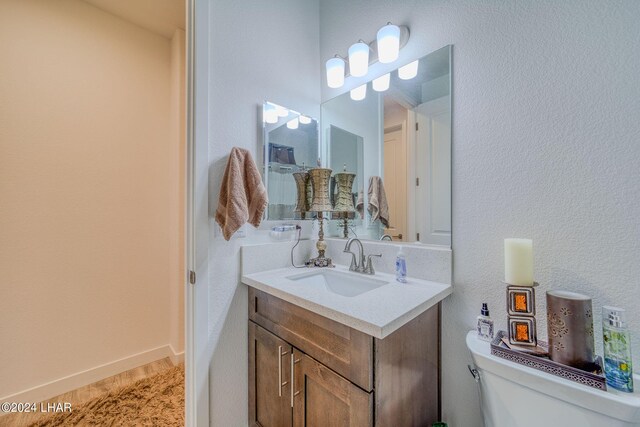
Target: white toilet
x=513 y=395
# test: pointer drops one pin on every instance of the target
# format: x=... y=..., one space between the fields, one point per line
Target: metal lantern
x=570 y=329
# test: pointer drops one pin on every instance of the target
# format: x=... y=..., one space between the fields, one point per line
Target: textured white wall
x=545 y=145
x=258 y=51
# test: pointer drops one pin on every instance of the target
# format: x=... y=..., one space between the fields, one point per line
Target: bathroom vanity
x=329 y=347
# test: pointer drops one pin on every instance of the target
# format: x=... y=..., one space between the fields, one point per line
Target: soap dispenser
x=617 y=349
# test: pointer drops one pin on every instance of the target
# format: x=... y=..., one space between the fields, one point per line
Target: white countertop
x=377 y=312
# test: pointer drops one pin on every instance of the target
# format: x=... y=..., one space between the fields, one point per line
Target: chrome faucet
x=359 y=264
x=386 y=237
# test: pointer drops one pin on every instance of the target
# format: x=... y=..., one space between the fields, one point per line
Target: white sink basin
x=345 y=284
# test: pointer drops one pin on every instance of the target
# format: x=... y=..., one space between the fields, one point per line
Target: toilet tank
x=513 y=395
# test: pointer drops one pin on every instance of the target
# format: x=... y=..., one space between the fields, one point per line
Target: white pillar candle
x=518 y=262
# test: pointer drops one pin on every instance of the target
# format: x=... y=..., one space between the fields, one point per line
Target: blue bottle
x=401 y=266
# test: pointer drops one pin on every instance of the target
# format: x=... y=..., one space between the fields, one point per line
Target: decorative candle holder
x=521 y=315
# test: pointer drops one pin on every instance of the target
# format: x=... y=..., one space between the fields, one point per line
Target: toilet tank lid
x=612 y=403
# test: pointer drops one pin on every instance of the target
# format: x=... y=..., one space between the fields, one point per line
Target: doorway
x=93 y=186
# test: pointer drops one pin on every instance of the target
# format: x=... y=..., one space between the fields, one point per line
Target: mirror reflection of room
x=400 y=135
x=417 y=152
x=291 y=146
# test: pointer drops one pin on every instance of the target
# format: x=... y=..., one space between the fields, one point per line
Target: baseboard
x=71 y=382
x=176 y=357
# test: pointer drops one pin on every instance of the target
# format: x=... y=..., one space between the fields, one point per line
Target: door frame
x=402 y=127
x=197 y=225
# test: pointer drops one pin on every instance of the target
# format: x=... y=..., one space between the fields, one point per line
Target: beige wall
x=86 y=145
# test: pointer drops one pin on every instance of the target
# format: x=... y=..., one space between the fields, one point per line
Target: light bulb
x=359 y=93
x=359 y=59
x=270 y=114
x=293 y=123
x=335 y=72
x=304 y=120
x=408 y=71
x=388 y=43
x=282 y=112
x=381 y=83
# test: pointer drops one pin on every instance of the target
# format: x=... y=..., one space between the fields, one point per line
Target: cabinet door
x=323 y=398
x=270 y=361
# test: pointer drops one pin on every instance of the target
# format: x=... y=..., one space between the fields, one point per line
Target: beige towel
x=378 y=207
x=360 y=203
x=243 y=197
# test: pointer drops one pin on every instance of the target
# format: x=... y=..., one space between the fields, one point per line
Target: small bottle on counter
x=401 y=266
x=617 y=349
x=485 y=324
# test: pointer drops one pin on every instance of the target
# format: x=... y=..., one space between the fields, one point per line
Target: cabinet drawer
x=341 y=348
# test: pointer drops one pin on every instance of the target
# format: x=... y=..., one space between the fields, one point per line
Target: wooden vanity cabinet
x=270 y=378
x=308 y=370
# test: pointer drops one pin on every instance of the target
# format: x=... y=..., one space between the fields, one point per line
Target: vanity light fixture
x=335 y=72
x=293 y=123
x=409 y=71
x=381 y=83
x=282 y=112
x=305 y=120
x=359 y=59
x=388 y=39
x=270 y=114
x=359 y=93
x=385 y=49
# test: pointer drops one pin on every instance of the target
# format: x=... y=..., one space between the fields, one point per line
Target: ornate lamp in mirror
x=344 y=207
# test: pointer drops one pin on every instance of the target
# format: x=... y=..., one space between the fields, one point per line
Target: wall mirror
x=397 y=137
x=290 y=145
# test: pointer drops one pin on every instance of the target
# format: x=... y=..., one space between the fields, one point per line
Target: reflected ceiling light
x=304 y=120
x=388 y=39
x=293 y=123
x=359 y=93
x=381 y=83
x=282 y=112
x=335 y=72
x=270 y=114
x=409 y=71
x=359 y=59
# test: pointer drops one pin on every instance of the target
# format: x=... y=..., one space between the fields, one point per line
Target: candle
x=518 y=262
